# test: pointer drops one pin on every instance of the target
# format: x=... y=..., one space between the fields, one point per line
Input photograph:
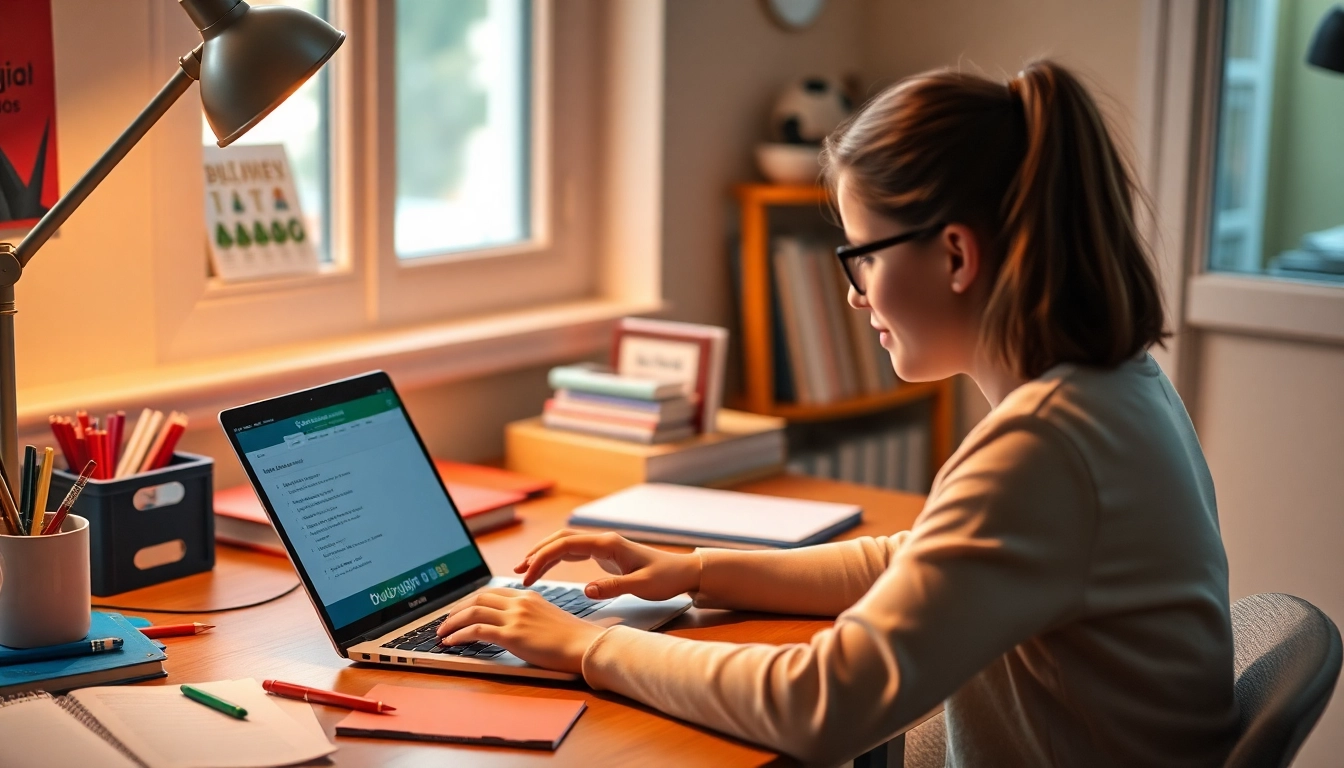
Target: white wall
x=1270 y=415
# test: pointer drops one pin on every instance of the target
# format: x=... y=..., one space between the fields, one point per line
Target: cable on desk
x=143 y=609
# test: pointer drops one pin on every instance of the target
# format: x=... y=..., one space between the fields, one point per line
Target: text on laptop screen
x=360 y=503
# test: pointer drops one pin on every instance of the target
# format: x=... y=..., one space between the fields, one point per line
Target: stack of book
x=596 y=401
x=825 y=351
x=742 y=446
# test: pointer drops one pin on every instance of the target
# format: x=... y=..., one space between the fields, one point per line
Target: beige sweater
x=1064 y=592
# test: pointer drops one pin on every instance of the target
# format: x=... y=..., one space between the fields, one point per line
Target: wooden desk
x=285 y=640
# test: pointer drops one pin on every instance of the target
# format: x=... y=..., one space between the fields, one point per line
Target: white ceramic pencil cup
x=44 y=586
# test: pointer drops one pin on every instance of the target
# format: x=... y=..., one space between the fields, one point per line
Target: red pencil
x=175 y=630
x=174 y=433
x=116 y=424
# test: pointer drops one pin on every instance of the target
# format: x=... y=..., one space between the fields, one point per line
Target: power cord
x=141 y=609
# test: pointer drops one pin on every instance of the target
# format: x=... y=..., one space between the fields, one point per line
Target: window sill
x=415 y=357
x=1267 y=306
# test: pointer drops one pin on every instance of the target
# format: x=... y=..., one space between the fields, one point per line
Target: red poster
x=27 y=113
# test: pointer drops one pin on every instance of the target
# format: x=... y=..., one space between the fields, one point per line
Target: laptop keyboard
x=425 y=639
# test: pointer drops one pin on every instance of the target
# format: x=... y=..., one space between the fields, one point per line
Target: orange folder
x=456 y=472
x=465 y=717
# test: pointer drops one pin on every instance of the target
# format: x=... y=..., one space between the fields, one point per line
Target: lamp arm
x=13 y=260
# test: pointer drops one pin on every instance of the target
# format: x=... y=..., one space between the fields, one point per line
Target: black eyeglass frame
x=846 y=252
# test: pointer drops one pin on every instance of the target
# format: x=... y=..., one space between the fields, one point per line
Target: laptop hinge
x=424 y=610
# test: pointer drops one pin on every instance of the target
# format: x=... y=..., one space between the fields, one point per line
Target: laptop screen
x=359 y=503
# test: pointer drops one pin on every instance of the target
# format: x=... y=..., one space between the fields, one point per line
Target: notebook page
x=167 y=730
x=52 y=737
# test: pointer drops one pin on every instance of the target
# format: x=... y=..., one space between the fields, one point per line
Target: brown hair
x=1029 y=166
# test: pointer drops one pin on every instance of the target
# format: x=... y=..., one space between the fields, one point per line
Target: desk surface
x=285 y=640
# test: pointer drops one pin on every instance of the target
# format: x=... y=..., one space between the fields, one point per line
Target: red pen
x=292 y=691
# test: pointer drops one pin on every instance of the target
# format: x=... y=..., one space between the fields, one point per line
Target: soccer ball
x=808 y=110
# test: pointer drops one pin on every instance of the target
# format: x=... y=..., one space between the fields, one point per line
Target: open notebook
x=158 y=727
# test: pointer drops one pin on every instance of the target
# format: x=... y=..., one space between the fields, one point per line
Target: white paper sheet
x=44 y=734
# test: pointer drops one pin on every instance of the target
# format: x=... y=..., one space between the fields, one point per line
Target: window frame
x=197 y=317
x=200 y=345
x=1179 y=89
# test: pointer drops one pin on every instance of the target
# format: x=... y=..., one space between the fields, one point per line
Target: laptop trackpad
x=639 y=613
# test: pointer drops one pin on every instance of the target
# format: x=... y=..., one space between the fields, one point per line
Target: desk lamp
x=250 y=60
x=1327 y=44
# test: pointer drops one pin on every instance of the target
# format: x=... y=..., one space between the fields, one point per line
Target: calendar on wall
x=254 y=224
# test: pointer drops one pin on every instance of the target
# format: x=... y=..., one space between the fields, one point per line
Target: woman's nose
x=856 y=300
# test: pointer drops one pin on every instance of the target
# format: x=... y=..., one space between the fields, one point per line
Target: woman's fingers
x=583 y=546
x=483 y=633
x=560 y=534
x=476 y=614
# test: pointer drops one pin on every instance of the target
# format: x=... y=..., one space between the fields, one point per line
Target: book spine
x=823 y=362
x=809 y=316
x=602 y=415
x=568 y=377
x=835 y=306
x=792 y=317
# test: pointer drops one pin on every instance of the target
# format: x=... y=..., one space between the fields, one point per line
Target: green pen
x=214 y=702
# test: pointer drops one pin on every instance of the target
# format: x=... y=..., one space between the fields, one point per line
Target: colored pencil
x=153 y=451
x=140 y=424
x=40 y=494
x=29 y=473
x=117 y=422
x=9 y=509
x=57 y=519
x=135 y=455
x=175 y=630
x=172 y=433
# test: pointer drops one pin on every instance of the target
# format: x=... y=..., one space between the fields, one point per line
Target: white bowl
x=789 y=163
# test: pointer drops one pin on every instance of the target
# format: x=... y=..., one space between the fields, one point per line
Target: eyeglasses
x=856 y=268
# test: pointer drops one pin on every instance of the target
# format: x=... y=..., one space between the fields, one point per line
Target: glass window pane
x=303 y=125
x=1278 y=175
x=463 y=125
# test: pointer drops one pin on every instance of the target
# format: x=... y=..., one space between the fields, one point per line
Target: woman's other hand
x=637 y=569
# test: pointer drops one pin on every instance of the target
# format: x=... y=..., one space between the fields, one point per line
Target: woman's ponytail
x=1075 y=283
x=1030 y=165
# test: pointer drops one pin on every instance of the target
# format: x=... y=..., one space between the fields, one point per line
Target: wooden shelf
x=858 y=406
x=779 y=194
x=757 y=312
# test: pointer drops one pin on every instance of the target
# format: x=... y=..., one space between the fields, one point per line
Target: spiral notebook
x=158 y=727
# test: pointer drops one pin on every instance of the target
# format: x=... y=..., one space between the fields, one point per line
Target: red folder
x=465 y=717
x=456 y=473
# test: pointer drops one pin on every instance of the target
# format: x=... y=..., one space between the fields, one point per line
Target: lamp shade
x=1327 y=45
x=253 y=58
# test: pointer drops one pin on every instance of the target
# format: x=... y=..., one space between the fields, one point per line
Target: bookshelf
x=757 y=323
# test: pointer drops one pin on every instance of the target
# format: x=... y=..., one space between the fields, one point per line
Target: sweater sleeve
x=817 y=581
x=998 y=555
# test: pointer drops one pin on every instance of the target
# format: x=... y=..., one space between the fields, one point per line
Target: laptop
x=374 y=534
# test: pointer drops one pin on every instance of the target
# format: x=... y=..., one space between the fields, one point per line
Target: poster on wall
x=28 y=183
x=252 y=215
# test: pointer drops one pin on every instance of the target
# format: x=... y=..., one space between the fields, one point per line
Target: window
x=303 y=125
x=463 y=133
x=1277 y=179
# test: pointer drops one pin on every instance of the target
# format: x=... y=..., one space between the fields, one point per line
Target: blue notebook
x=139 y=659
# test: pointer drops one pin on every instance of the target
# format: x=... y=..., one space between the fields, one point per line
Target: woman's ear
x=964 y=257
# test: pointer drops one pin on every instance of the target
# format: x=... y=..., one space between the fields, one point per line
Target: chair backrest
x=1287 y=661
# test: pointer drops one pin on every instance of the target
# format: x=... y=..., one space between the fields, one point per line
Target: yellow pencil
x=43 y=488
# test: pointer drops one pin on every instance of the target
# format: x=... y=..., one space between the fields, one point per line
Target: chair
x=1287 y=659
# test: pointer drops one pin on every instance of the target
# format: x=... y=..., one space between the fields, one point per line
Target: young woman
x=1064 y=591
